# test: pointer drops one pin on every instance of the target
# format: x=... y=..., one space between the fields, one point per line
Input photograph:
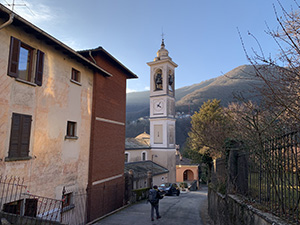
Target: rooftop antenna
x=13 y=4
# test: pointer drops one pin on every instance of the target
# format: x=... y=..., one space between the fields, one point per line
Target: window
x=71 y=130
x=126 y=157
x=31 y=207
x=13 y=207
x=17 y=207
x=21 y=62
x=143 y=156
x=67 y=200
x=19 y=136
x=75 y=75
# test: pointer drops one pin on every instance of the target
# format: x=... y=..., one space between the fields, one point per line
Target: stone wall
x=231 y=209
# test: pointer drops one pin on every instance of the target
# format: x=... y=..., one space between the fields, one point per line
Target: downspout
x=90 y=54
x=11 y=18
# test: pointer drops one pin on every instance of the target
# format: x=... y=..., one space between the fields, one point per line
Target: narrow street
x=187 y=208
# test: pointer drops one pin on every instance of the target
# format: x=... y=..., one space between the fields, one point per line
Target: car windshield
x=166 y=185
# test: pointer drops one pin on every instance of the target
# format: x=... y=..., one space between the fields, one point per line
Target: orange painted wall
x=180 y=170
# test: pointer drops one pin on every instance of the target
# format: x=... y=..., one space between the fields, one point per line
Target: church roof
x=143 y=136
x=141 y=168
x=142 y=141
x=162 y=53
x=184 y=161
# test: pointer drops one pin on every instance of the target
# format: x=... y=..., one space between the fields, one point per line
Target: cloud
x=33 y=11
x=128 y=90
x=147 y=88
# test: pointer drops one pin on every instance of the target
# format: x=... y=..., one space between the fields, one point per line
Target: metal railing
x=21 y=207
x=274 y=176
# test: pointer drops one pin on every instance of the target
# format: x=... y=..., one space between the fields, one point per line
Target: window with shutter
x=39 y=68
x=14 y=57
x=20 y=65
x=20 y=136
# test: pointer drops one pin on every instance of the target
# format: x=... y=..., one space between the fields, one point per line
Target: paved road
x=187 y=208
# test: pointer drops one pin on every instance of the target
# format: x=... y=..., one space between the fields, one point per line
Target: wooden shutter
x=39 y=68
x=14 y=135
x=25 y=139
x=13 y=63
x=20 y=135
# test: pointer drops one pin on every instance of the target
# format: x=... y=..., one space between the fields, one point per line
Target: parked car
x=169 y=189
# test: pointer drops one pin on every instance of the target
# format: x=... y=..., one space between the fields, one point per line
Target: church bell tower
x=162 y=110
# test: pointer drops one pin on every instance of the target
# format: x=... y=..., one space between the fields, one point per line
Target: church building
x=162 y=146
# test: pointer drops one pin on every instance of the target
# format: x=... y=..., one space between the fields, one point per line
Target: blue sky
x=200 y=35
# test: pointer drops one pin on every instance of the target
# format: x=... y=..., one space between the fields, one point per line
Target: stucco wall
x=55 y=162
x=167 y=159
x=136 y=155
x=180 y=171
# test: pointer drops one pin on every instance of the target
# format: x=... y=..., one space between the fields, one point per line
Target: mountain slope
x=238 y=81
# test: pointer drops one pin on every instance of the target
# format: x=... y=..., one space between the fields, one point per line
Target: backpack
x=153 y=196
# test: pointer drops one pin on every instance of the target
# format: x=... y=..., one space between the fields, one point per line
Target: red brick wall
x=105 y=198
x=107 y=140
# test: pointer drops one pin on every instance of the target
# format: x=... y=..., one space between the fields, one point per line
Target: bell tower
x=162 y=110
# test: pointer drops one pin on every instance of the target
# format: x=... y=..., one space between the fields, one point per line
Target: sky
x=202 y=36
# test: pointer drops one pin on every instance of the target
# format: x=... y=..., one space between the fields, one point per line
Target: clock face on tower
x=158 y=106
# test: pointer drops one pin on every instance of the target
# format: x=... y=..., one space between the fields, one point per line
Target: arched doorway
x=188 y=175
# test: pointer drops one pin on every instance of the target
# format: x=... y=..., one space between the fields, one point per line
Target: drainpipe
x=11 y=18
x=90 y=53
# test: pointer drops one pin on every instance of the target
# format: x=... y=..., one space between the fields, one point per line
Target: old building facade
x=59 y=112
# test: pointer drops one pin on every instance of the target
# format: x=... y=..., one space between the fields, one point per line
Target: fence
x=274 y=178
x=20 y=207
x=74 y=211
x=269 y=177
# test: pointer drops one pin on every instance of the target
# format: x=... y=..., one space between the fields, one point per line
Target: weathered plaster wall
x=159 y=179
x=136 y=155
x=55 y=162
x=167 y=159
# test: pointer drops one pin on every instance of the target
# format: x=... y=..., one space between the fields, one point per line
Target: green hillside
x=238 y=81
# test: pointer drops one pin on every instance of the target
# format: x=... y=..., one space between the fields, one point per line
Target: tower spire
x=162 y=39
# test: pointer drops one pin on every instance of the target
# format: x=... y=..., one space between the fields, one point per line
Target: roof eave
x=50 y=40
x=130 y=74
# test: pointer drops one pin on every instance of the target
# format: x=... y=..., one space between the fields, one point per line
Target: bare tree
x=281 y=75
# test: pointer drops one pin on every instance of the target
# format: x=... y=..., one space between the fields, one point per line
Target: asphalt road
x=187 y=208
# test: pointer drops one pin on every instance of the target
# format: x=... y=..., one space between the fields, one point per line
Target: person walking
x=154 y=197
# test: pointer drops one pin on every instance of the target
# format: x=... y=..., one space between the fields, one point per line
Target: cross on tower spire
x=162 y=38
